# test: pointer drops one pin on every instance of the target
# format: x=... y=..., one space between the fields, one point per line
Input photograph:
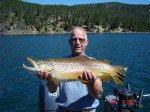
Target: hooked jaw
x=33 y=69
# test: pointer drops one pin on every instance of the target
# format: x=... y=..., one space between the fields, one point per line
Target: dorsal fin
x=106 y=61
x=81 y=57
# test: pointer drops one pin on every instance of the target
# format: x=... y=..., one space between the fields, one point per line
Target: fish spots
x=49 y=66
x=68 y=69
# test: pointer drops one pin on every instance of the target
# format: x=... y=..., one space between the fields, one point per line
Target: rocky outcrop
x=21 y=28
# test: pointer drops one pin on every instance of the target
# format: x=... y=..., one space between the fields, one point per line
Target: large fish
x=68 y=69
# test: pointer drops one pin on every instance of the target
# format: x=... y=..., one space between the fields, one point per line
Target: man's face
x=78 y=43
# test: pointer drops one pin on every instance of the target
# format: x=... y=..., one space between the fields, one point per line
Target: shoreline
x=64 y=33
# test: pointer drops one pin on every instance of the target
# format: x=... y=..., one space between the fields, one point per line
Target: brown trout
x=68 y=69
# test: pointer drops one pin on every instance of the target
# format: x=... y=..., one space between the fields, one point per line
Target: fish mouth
x=32 y=69
x=33 y=62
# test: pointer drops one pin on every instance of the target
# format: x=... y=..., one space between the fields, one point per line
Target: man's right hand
x=52 y=87
x=44 y=75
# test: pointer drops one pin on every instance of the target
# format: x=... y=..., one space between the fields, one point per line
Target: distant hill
x=17 y=17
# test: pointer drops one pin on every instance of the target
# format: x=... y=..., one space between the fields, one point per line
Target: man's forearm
x=95 y=88
x=52 y=87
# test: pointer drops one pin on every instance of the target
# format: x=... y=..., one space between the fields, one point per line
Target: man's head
x=78 y=41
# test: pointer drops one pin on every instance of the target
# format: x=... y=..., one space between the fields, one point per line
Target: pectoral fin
x=84 y=81
x=105 y=77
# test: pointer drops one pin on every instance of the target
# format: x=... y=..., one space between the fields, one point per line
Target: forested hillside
x=17 y=17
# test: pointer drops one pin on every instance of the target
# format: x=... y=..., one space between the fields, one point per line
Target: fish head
x=37 y=66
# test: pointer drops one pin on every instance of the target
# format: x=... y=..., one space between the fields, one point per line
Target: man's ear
x=87 y=42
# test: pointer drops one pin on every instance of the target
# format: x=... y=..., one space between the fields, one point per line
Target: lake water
x=19 y=90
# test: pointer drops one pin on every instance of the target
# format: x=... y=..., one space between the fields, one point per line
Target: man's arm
x=94 y=85
x=51 y=85
x=95 y=88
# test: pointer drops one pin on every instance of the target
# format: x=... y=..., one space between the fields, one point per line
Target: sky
x=74 y=2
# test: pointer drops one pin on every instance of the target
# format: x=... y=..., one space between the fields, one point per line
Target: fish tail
x=120 y=74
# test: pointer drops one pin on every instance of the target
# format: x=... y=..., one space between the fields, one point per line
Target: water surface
x=19 y=90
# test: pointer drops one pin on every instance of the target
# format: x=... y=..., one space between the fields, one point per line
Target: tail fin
x=119 y=77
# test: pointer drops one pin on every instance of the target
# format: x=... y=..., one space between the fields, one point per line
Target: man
x=76 y=96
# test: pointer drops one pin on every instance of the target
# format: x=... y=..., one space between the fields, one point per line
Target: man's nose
x=78 y=41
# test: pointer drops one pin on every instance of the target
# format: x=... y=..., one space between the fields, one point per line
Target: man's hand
x=44 y=75
x=87 y=75
x=52 y=87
